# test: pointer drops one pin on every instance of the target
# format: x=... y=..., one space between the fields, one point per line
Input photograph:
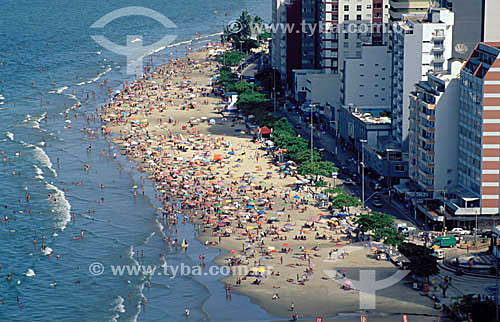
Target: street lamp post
x=274 y=90
x=480 y=214
x=495 y=251
x=363 y=172
x=312 y=136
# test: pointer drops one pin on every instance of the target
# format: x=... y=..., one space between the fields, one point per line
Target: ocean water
x=51 y=70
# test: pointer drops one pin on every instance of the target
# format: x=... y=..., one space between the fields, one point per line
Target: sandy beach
x=241 y=199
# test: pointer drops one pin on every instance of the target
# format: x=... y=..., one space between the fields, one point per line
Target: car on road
x=377 y=186
x=349 y=182
x=460 y=231
x=439 y=253
x=445 y=241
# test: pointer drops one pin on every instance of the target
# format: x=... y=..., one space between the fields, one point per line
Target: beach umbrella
x=286 y=245
x=301 y=247
x=234 y=251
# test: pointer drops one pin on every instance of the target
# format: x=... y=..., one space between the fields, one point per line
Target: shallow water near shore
x=54 y=45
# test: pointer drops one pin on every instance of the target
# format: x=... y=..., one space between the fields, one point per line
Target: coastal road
x=327 y=142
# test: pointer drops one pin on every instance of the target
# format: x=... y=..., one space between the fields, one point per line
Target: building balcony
x=437 y=60
x=428 y=140
x=438 y=36
x=437 y=49
x=424 y=174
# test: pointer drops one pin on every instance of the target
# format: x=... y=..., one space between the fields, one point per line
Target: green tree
x=342 y=200
x=240 y=37
x=422 y=263
x=316 y=168
x=377 y=222
x=231 y=58
x=269 y=79
x=390 y=235
x=305 y=155
x=332 y=191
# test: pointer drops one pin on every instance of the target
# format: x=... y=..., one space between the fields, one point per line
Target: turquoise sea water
x=48 y=64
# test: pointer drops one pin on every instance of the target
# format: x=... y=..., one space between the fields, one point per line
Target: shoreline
x=214 y=136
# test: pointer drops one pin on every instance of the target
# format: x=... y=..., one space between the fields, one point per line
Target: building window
x=358 y=17
x=346 y=36
x=346 y=45
x=368 y=6
x=346 y=8
x=346 y=17
x=361 y=75
x=399 y=167
x=335 y=7
x=359 y=7
x=358 y=45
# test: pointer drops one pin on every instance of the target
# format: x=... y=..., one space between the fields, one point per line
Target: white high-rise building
x=433 y=139
x=419 y=46
x=278 y=45
x=347 y=25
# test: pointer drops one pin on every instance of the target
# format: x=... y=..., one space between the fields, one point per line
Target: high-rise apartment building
x=420 y=46
x=433 y=131
x=295 y=45
x=479 y=126
x=347 y=25
x=278 y=44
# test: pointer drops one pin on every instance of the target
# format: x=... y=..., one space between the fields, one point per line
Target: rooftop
x=481 y=59
x=370 y=115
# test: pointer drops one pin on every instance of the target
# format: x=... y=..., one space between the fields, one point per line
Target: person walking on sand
x=292 y=307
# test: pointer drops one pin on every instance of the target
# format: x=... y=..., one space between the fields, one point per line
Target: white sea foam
x=61 y=206
x=118 y=308
x=2 y=97
x=39 y=172
x=59 y=90
x=10 y=136
x=118 y=305
x=107 y=70
x=149 y=237
x=81 y=83
x=43 y=158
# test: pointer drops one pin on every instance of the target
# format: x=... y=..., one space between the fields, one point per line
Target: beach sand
x=228 y=193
